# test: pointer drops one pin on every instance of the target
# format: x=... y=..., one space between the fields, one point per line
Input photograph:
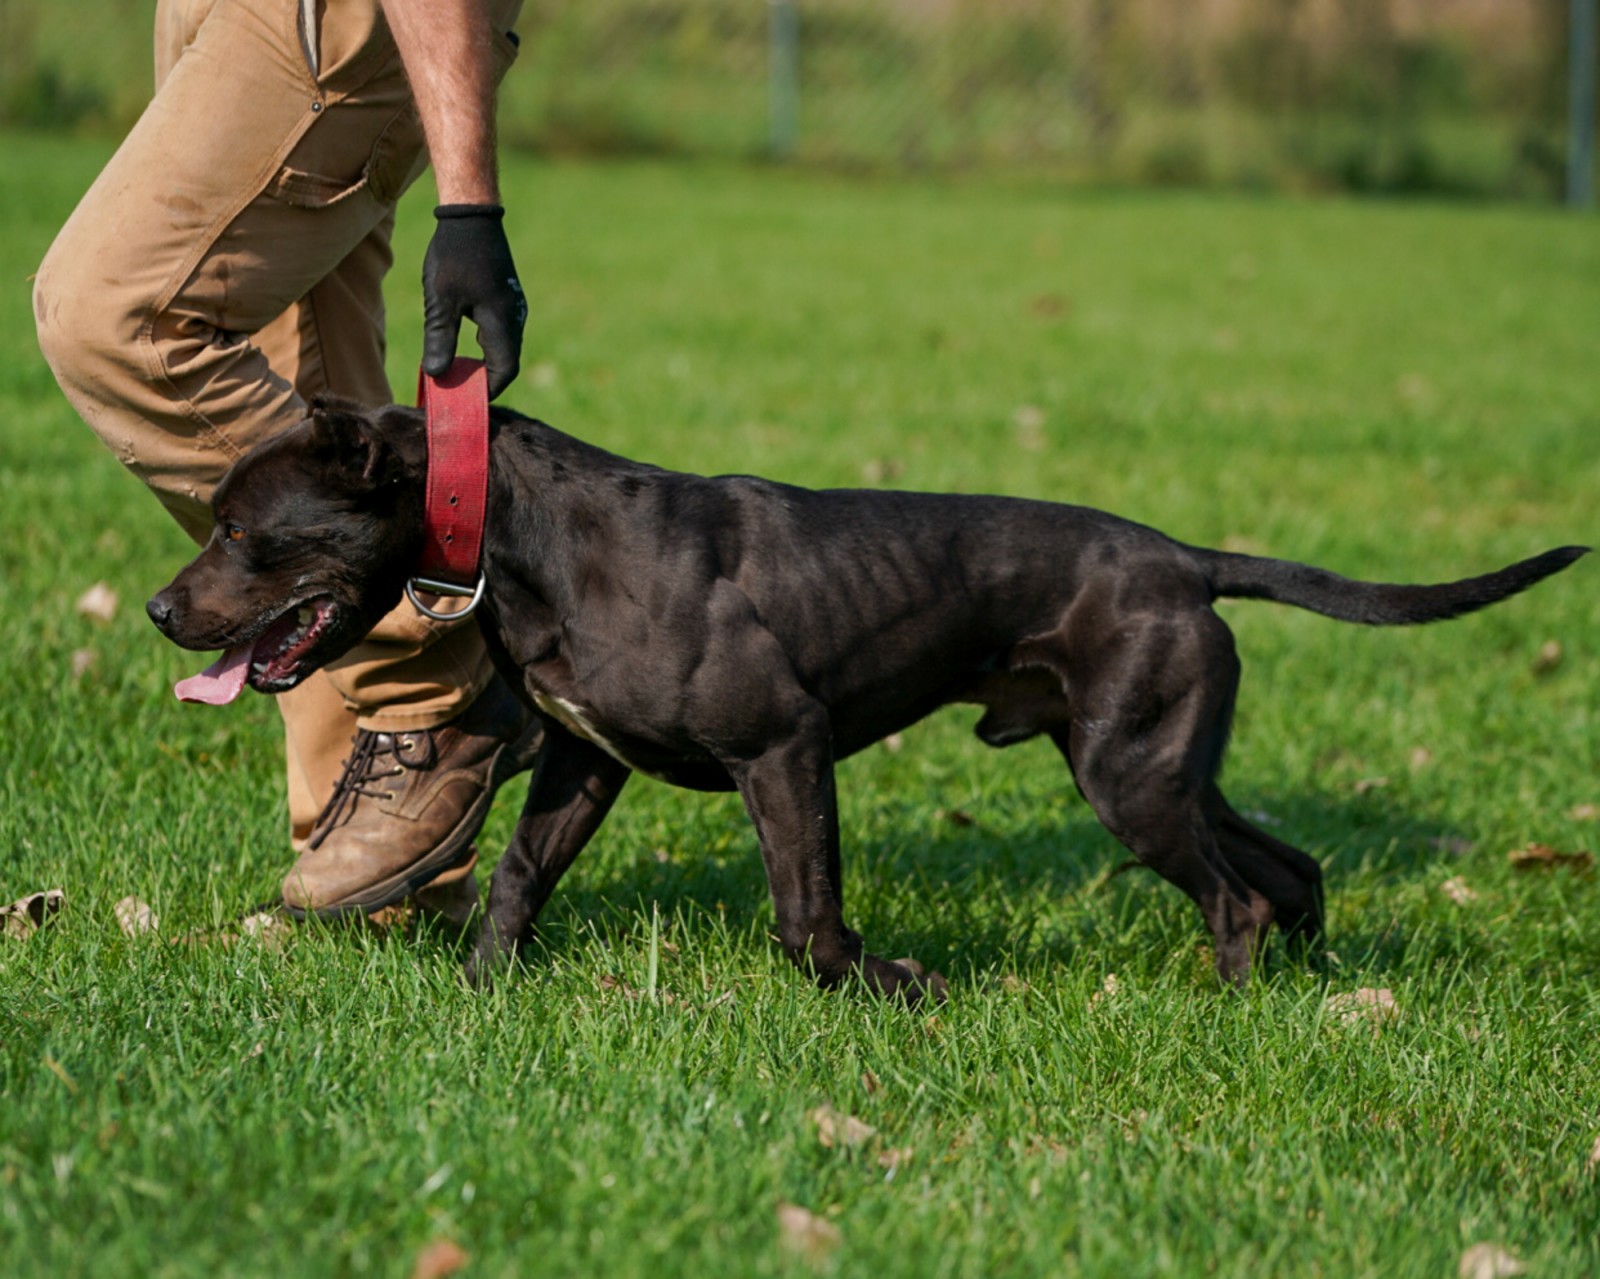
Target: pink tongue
x=220 y=682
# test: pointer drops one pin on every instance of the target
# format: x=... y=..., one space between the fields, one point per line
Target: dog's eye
x=232 y=532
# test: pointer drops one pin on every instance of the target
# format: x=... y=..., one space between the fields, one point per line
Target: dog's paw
x=488 y=960
x=478 y=973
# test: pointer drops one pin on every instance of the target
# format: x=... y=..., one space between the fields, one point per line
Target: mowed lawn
x=1398 y=391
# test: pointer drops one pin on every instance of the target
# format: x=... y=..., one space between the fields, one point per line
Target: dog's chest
x=579 y=723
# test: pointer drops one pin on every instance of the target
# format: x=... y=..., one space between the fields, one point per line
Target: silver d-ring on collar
x=443 y=588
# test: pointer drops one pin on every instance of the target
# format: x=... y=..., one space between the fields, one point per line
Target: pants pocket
x=373 y=145
x=371 y=141
x=399 y=154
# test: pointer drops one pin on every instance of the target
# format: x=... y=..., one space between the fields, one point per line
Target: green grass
x=1397 y=391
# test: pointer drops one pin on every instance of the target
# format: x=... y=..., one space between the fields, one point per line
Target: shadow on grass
x=970 y=900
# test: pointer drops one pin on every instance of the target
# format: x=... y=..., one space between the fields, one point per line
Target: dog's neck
x=551 y=498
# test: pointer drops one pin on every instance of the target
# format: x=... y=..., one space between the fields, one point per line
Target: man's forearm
x=448 y=50
x=447 y=47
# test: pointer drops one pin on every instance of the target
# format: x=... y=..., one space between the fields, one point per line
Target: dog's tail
x=1373 y=603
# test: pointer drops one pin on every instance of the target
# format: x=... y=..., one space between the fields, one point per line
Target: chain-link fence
x=1466 y=96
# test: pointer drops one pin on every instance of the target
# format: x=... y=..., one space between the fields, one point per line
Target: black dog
x=737 y=633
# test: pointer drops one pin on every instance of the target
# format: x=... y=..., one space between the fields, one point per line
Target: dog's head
x=314 y=534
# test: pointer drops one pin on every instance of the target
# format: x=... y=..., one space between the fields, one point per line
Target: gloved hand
x=468 y=271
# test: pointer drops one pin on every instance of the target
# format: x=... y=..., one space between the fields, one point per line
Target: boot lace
x=373 y=758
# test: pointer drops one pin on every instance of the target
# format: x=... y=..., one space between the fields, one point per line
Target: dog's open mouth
x=271 y=663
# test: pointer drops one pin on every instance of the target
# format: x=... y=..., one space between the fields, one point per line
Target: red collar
x=457 y=407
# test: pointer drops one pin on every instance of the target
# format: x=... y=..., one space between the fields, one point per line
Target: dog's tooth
x=305 y=615
x=260 y=668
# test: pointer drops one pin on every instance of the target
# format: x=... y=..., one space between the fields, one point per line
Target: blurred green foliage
x=1343 y=95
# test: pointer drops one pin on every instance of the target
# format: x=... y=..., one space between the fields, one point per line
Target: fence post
x=783 y=77
x=1581 y=104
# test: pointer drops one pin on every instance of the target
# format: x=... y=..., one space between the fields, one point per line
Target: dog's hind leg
x=1288 y=878
x=1152 y=698
x=574 y=786
x=788 y=791
x=1168 y=832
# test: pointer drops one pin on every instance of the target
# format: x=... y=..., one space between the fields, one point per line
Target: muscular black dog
x=737 y=633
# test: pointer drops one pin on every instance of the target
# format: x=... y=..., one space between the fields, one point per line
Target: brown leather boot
x=408 y=805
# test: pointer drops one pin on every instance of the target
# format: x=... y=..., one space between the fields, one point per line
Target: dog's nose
x=160 y=609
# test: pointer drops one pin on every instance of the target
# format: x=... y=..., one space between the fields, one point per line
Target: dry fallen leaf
x=894 y=743
x=270 y=928
x=1374 y=1007
x=27 y=914
x=891 y=1159
x=806 y=1235
x=1456 y=890
x=1548 y=657
x=1029 y=420
x=1543 y=857
x=1488 y=1261
x=1419 y=758
x=83 y=659
x=837 y=1129
x=1108 y=990
x=394 y=918
x=440 y=1258
x=99 y=602
x=1584 y=812
x=882 y=470
x=267 y=927
x=135 y=917
x=1366 y=784
x=1593 y=1166
x=869 y=1081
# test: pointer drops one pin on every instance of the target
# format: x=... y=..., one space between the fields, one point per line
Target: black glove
x=468 y=272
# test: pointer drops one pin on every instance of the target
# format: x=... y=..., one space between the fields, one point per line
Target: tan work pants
x=226 y=266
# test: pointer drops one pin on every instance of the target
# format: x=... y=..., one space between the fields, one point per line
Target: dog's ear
x=356 y=442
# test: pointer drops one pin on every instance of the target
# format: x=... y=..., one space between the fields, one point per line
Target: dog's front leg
x=789 y=793
x=574 y=785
